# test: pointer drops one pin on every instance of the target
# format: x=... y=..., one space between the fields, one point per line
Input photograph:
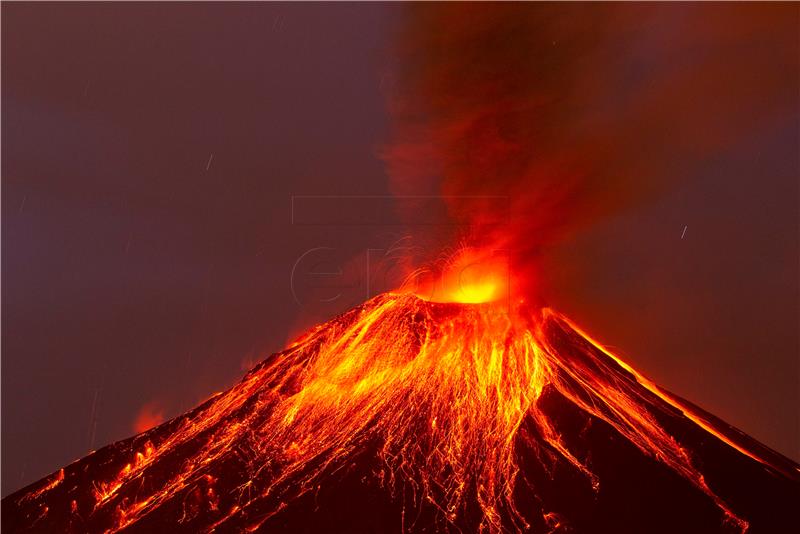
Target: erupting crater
x=470 y=276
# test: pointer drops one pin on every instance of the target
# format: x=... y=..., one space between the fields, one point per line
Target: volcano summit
x=404 y=415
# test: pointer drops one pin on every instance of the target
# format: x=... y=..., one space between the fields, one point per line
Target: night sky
x=173 y=211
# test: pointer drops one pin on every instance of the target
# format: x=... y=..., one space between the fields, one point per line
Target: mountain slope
x=408 y=415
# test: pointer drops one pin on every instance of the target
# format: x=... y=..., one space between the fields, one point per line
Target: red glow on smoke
x=149 y=416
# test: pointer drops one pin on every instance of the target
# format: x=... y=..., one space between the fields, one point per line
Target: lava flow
x=407 y=415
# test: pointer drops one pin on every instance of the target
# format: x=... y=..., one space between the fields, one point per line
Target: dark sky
x=150 y=157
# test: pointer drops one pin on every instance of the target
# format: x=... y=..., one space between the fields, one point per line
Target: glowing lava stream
x=446 y=390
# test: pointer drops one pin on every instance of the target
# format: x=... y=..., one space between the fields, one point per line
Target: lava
x=448 y=394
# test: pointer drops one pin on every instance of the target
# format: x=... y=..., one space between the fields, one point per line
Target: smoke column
x=534 y=120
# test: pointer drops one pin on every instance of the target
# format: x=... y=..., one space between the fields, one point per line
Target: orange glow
x=474 y=291
x=470 y=276
x=149 y=415
x=450 y=392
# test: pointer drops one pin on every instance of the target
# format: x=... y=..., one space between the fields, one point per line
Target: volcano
x=406 y=415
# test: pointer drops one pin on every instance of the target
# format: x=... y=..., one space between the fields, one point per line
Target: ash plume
x=574 y=112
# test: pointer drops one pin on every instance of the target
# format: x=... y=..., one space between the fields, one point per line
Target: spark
x=208 y=165
x=684 y=231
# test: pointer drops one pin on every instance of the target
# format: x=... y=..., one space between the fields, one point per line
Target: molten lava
x=445 y=406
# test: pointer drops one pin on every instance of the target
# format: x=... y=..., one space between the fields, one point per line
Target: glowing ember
x=450 y=393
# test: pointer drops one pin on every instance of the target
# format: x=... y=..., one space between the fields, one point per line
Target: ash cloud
x=574 y=112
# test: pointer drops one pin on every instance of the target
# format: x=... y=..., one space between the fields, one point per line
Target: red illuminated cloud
x=150 y=415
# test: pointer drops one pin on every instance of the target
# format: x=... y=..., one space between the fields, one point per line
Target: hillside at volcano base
x=405 y=415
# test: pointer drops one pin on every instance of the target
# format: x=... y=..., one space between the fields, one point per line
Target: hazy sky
x=150 y=255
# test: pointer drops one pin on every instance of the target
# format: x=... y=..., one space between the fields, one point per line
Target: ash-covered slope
x=406 y=415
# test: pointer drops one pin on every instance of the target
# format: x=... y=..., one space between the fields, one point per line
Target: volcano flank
x=404 y=415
